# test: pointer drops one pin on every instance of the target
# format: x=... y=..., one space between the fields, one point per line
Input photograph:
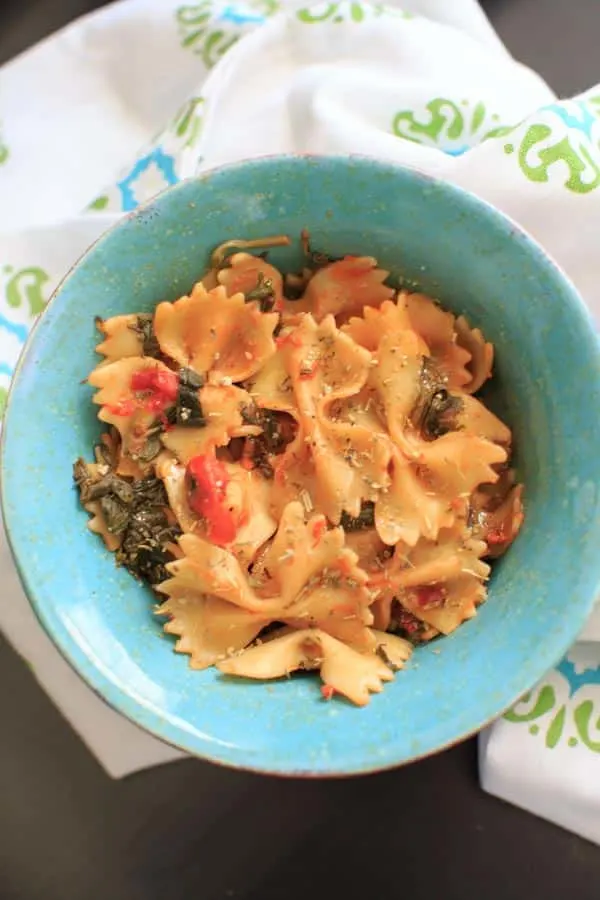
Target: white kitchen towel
x=137 y=96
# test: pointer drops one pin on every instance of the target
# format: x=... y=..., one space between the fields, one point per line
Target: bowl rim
x=116 y=697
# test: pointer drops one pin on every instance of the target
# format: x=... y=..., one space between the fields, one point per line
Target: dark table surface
x=193 y=830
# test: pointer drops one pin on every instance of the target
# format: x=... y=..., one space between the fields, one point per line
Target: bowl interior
x=547 y=387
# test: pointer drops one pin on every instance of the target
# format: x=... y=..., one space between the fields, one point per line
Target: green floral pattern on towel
x=448 y=125
x=209 y=29
x=560 y=144
x=24 y=292
x=564 y=709
x=339 y=13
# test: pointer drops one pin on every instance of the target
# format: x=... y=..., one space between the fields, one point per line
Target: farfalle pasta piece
x=208 y=569
x=316 y=366
x=300 y=550
x=344 y=670
x=323 y=362
x=124 y=407
x=324 y=366
x=356 y=461
x=439 y=582
x=97 y=525
x=475 y=418
x=356 y=432
x=272 y=387
x=172 y=474
x=339 y=606
x=368 y=329
x=363 y=409
x=345 y=287
x=212 y=333
x=122 y=337
x=432 y=323
x=394 y=650
x=458 y=462
x=381 y=608
x=396 y=374
x=437 y=328
x=114 y=383
x=223 y=408
x=245 y=272
x=209 y=629
x=317 y=578
x=248 y=498
x=409 y=508
x=459 y=600
x=397 y=380
x=454 y=553
x=481 y=354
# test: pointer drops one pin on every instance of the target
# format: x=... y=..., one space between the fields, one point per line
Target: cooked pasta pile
x=300 y=469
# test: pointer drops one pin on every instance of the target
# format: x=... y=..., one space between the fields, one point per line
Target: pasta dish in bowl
x=299 y=467
x=331 y=419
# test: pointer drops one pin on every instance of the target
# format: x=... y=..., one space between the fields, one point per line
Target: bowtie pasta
x=299 y=467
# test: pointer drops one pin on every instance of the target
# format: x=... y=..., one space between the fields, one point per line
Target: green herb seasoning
x=152 y=444
x=144 y=328
x=440 y=415
x=404 y=623
x=436 y=409
x=188 y=409
x=136 y=511
x=143 y=550
x=365 y=518
x=260 y=457
x=94 y=488
x=263 y=294
x=278 y=430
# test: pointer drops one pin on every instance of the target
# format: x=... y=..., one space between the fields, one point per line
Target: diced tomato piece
x=209 y=480
x=496 y=536
x=430 y=595
x=161 y=385
x=327 y=691
x=406 y=621
x=318 y=530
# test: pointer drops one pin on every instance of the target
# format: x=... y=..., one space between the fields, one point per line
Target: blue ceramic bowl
x=547 y=386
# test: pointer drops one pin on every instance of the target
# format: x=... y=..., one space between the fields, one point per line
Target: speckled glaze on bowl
x=547 y=385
